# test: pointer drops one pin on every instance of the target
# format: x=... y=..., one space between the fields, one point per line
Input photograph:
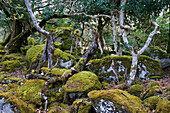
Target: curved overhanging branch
x=44 y=32
x=154 y=32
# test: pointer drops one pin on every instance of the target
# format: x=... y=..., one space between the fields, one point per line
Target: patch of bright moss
x=163 y=106
x=151 y=84
x=82 y=82
x=58 y=108
x=151 y=102
x=153 y=91
x=1 y=47
x=11 y=65
x=57 y=45
x=136 y=90
x=55 y=71
x=21 y=105
x=63 y=55
x=13 y=57
x=121 y=100
x=33 y=56
x=31 y=41
x=81 y=106
x=30 y=92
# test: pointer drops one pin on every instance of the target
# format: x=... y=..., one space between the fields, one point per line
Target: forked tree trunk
x=50 y=40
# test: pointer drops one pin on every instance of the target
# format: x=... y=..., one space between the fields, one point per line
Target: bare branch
x=46 y=33
x=154 y=32
x=91 y=16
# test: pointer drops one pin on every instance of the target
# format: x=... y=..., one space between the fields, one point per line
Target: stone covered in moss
x=63 y=35
x=152 y=84
x=11 y=65
x=80 y=84
x=30 y=92
x=136 y=90
x=31 y=41
x=1 y=47
x=151 y=102
x=154 y=91
x=13 y=56
x=102 y=67
x=55 y=71
x=155 y=53
x=82 y=106
x=163 y=106
x=112 y=101
x=58 y=108
x=33 y=56
x=19 y=105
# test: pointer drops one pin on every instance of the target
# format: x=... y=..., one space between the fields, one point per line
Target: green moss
x=105 y=85
x=0 y=56
x=57 y=45
x=31 y=41
x=33 y=56
x=55 y=71
x=30 y=92
x=168 y=88
x=81 y=106
x=65 y=56
x=3 y=51
x=13 y=56
x=163 y=106
x=136 y=90
x=121 y=100
x=153 y=91
x=151 y=102
x=151 y=84
x=10 y=66
x=58 y=108
x=82 y=82
x=80 y=65
x=21 y=105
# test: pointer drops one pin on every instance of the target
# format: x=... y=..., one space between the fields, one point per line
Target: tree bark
x=50 y=40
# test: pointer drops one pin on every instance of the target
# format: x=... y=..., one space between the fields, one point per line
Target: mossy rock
x=83 y=105
x=55 y=71
x=58 y=108
x=20 y=105
x=24 y=49
x=2 y=52
x=111 y=101
x=151 y=102
x=155 y=53
x=10 y=66
x=33 y=56
x=136 y=90
x=13 y=56
x=154 y=91
x=0 y=56
x=152 y=84
x=80 y=84
x=63 y=35
x=147 y=67
x=30 y=92
x=163 y=106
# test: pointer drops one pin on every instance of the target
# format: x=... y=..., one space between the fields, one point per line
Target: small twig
x=115 y=71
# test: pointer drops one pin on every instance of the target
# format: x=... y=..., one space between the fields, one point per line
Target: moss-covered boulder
x=151 y=102
x=18 y=106
x=153 y=91
x=11 y=65
x=65 y=60
x=1 y=47
x=13 y=56
x=58 y=108
x=79 y=85
x=155 y=53
x=30 y=92
x=33 y=56
x=136 y=90
x=83 y=105
x=147 y=67
x=163 y=106
x=112 y=101
x=63 y=35
x=152 y=84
